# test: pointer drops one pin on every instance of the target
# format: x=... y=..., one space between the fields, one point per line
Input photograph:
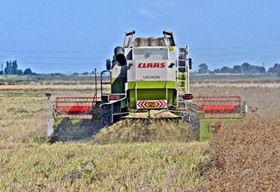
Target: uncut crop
x=245 y=157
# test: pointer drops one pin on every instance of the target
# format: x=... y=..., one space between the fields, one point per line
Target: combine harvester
x=149 y=79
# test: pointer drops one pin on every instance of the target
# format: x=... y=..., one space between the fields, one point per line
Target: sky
x=66 y=36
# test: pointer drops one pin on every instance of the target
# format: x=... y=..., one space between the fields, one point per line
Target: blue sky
x=75 y=36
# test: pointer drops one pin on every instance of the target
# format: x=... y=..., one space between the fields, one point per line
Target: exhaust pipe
x=119 y=54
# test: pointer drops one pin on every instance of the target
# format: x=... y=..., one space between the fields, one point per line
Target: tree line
x=12 y=69
x=245 y=68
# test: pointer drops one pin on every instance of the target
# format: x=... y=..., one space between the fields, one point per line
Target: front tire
x=193 y=120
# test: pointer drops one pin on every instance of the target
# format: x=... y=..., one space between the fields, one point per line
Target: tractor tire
x=106 y=115
x=192 y=119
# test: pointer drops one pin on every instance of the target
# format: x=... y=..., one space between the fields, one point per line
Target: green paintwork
x=152 y=85
x=182 y=75
x=184 y=84
x=118 y=85
x=151 y=90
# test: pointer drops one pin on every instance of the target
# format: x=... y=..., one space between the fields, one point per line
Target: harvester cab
x=148 y=78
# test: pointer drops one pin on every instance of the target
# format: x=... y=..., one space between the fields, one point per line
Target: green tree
x=11 y=67
x=247 y=68
x=8 y=68
x=19 y=72
x=28 y=71
x=226 y=70
x=275 y=68
x=261 y=69
x=14 y=67
x=217 y=71
x=203 y=68
x=236 y=69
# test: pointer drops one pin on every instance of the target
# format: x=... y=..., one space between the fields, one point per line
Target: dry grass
x=50 y=87
x=235 y=84
x=131 y=131
x=22 y=117
x=245 y=157
x=86 y=167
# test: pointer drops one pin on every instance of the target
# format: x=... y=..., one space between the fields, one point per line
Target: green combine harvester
x=148 y=78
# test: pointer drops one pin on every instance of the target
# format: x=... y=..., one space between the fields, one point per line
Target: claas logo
x=151 y=65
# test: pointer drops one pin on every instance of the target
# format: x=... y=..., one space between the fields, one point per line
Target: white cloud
x=158 y=7
x=145 y=12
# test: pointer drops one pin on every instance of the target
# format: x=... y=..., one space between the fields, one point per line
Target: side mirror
x=108 y=64
x=190 y=63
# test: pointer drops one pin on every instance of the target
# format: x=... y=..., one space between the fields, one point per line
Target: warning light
x=188 y=96
x=113 y=97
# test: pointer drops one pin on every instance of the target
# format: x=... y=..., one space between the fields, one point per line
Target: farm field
x=244 y=156
x=28 y=163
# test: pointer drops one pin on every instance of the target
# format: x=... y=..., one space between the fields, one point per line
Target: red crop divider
x=218 y=104
x=75 y=105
